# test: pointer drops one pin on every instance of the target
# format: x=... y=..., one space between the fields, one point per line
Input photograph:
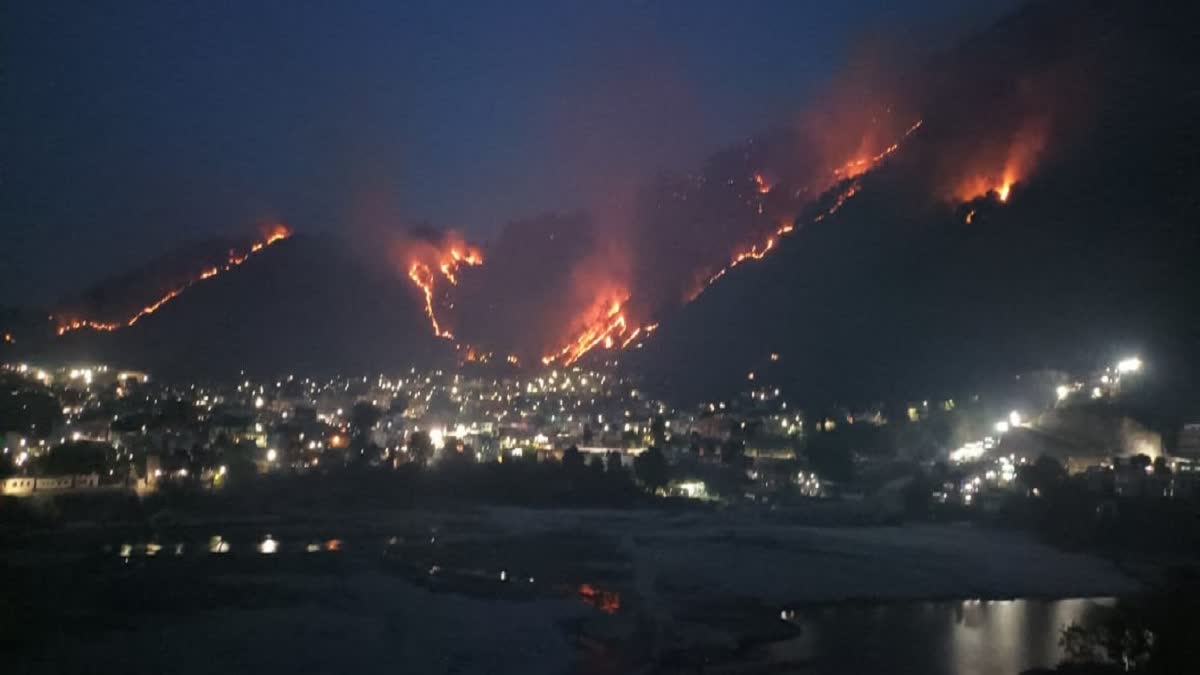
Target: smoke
x=974 y=122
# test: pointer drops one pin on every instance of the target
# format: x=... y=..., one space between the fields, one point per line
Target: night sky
x=130 y=128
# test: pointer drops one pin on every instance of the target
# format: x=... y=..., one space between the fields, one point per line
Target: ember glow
x=606 y=601
x=234 y=259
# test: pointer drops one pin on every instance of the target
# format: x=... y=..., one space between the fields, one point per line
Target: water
x=998 y=637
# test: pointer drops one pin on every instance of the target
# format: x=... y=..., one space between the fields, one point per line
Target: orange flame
x=998 y=173
x=857 y=167
x=604 y=324
x=234 y=259
x=447 y=259
x=763 y=186
x=846 y=172
x=608 y=602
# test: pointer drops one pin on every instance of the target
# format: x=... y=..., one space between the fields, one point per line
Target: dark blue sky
x=132 y=127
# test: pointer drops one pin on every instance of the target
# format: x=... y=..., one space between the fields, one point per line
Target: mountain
x=1094 y=251
x=306 y=304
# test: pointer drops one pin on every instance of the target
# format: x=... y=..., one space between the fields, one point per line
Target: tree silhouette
x=1045 y=475
x=572 y=460
x=420 y=448
x=612 y=462
x=828 y=454
x=650 y=467
x=596 y=466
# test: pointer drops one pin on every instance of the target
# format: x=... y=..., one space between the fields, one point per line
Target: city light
x=1002 y=427
x=1132 y=364
x=268 y=546
x=1062 y=391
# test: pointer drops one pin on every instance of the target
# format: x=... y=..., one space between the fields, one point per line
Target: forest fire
x=995 y=171
x=847 y=173
x=608 y=602
x=234 y=259
x=606 y=322
x=605 y=325
x=447 y=258
x=857 y=167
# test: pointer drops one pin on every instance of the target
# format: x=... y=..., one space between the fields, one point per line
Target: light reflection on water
x=997 y=637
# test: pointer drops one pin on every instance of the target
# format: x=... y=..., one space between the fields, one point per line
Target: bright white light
x=1097 y=392
x=1001 y=427
x=258 y=401
x=268 y=546
x=272 y=455
x=1062 y=391
x=1130 y=365
x=1014 y=418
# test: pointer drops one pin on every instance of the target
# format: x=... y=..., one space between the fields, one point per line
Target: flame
x=447 y=258
x=857 y=167
x=971 y=216
x=995 y=172
x=605 y=323
x=763 y=186
x=234 y=259
x=608 y=602
x=847 y=173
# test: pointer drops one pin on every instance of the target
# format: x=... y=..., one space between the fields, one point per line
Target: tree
x=363 y=416
x=828 y=454
x=1043 y=476
x=596 y=466
x=650 y=467
x=1140 y=462
x=572 y=460
x=75 y=457
x=612 y=462
x=32 y=412
x=420 y=448
x=1161 y=468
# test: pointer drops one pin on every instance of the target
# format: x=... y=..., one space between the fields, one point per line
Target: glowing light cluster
x=235 y=259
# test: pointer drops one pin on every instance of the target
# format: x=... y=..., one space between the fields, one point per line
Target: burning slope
x=997 y=167
x=234 y=259
x=604 y=325
x=609 y=321
x=847 y=172
x=424 y=256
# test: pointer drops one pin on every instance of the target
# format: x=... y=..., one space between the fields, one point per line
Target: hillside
x=306 y=304
x=895 y=295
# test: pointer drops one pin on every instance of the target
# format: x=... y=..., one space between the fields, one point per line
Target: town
x=91 y=429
